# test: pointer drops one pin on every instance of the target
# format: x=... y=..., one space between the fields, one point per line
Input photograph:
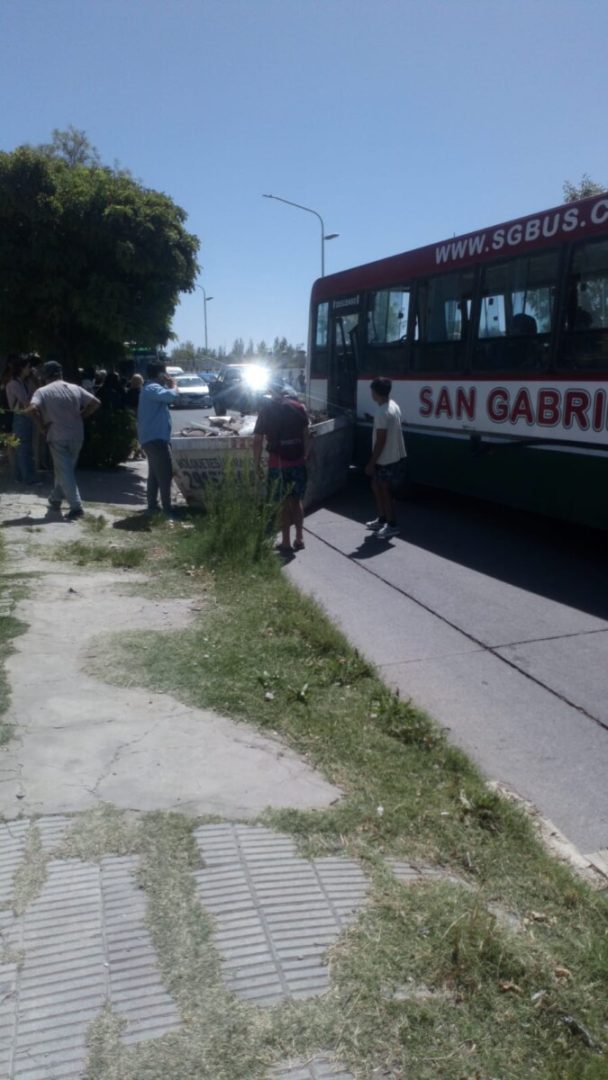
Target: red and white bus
x=497 y=345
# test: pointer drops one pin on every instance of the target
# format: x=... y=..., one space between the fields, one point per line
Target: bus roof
x=566 y=222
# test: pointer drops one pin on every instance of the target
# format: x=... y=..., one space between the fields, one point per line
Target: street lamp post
x=324 y=236
x=206 y=300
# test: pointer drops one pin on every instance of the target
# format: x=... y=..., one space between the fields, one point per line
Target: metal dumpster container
x=197 y=459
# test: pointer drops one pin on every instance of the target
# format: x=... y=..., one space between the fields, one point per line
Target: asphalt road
x=494 y=621
x=184 y=417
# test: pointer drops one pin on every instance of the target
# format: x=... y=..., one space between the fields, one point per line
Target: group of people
x=40 y=400
x=20 y=379
x=46 y=415
x=283 y=426
x=282 y=422
x=113 y=390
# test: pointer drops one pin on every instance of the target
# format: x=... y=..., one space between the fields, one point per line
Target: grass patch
x=121 y=557
x=237 y=527
x=30 y=875
x=95 y=523
x=11 y=589
x=268 y=655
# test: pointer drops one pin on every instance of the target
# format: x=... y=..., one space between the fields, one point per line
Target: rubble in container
x=221 y=425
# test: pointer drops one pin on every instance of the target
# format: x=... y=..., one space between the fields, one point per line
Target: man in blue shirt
x=154 y=433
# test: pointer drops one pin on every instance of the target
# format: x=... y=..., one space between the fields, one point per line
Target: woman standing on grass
x=18 y=394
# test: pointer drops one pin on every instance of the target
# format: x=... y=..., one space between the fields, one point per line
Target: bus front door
x=343 y=364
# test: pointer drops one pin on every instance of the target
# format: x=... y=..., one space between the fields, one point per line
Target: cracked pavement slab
x=79 y=741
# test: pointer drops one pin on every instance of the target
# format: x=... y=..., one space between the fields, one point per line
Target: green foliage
x=403 y=722
x=89 y=258
x=281 y=354
x=10 y=627
x=110 y=438
x=236 y=530
x=124 y=558
x=574 y=192
x=72 y=146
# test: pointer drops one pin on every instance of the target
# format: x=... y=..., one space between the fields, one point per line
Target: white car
x=193 y=392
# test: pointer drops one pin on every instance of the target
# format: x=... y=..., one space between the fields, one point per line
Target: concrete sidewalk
x=74 y=945
x=485 y=638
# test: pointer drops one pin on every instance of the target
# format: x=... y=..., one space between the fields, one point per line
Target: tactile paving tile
x=318 y=1068
x=136 y=991
x=8 y=1005
x=84 y=945
x=276 y=912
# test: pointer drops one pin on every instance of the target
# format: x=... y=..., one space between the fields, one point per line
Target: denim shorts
x=392 y=474
x=287 y=483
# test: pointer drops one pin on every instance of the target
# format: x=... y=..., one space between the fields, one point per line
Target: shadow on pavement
x=555 y=559
x=369 y=547
x=27 y=519
x=123 y=486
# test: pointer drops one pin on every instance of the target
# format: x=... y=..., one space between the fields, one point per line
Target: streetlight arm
x=299 y=207
x=206 y=300
x=308 y=210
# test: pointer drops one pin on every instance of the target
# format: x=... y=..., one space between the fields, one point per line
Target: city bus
x=497 y=346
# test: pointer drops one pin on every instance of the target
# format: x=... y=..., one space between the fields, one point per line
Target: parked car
x=241 y=387
x=193 y=392
x=173 y=370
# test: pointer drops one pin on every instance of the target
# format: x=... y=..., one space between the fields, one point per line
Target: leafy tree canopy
x=72 y=146
x=195 y=358
x=587 y=186
x=89 y=258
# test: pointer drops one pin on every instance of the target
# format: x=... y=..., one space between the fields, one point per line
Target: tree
x=72 y=146
x=89 y=258
x=284 y=353
x=574 y=192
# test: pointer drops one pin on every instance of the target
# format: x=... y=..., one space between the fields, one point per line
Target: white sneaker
x=387 y=532
x=375 y=525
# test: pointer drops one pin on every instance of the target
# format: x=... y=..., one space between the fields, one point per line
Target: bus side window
x=387 y=316
x=585 y=338
x=320 y=354
x=442 y=320
x=516 y=309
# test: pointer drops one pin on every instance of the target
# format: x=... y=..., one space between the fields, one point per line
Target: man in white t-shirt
x=59 y=409
x=386 y=465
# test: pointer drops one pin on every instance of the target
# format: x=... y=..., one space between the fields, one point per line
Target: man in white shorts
x=386 y=466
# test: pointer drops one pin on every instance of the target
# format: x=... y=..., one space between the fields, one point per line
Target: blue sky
x=402 y=122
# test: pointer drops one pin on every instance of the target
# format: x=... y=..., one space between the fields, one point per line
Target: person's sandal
x=298 y=545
